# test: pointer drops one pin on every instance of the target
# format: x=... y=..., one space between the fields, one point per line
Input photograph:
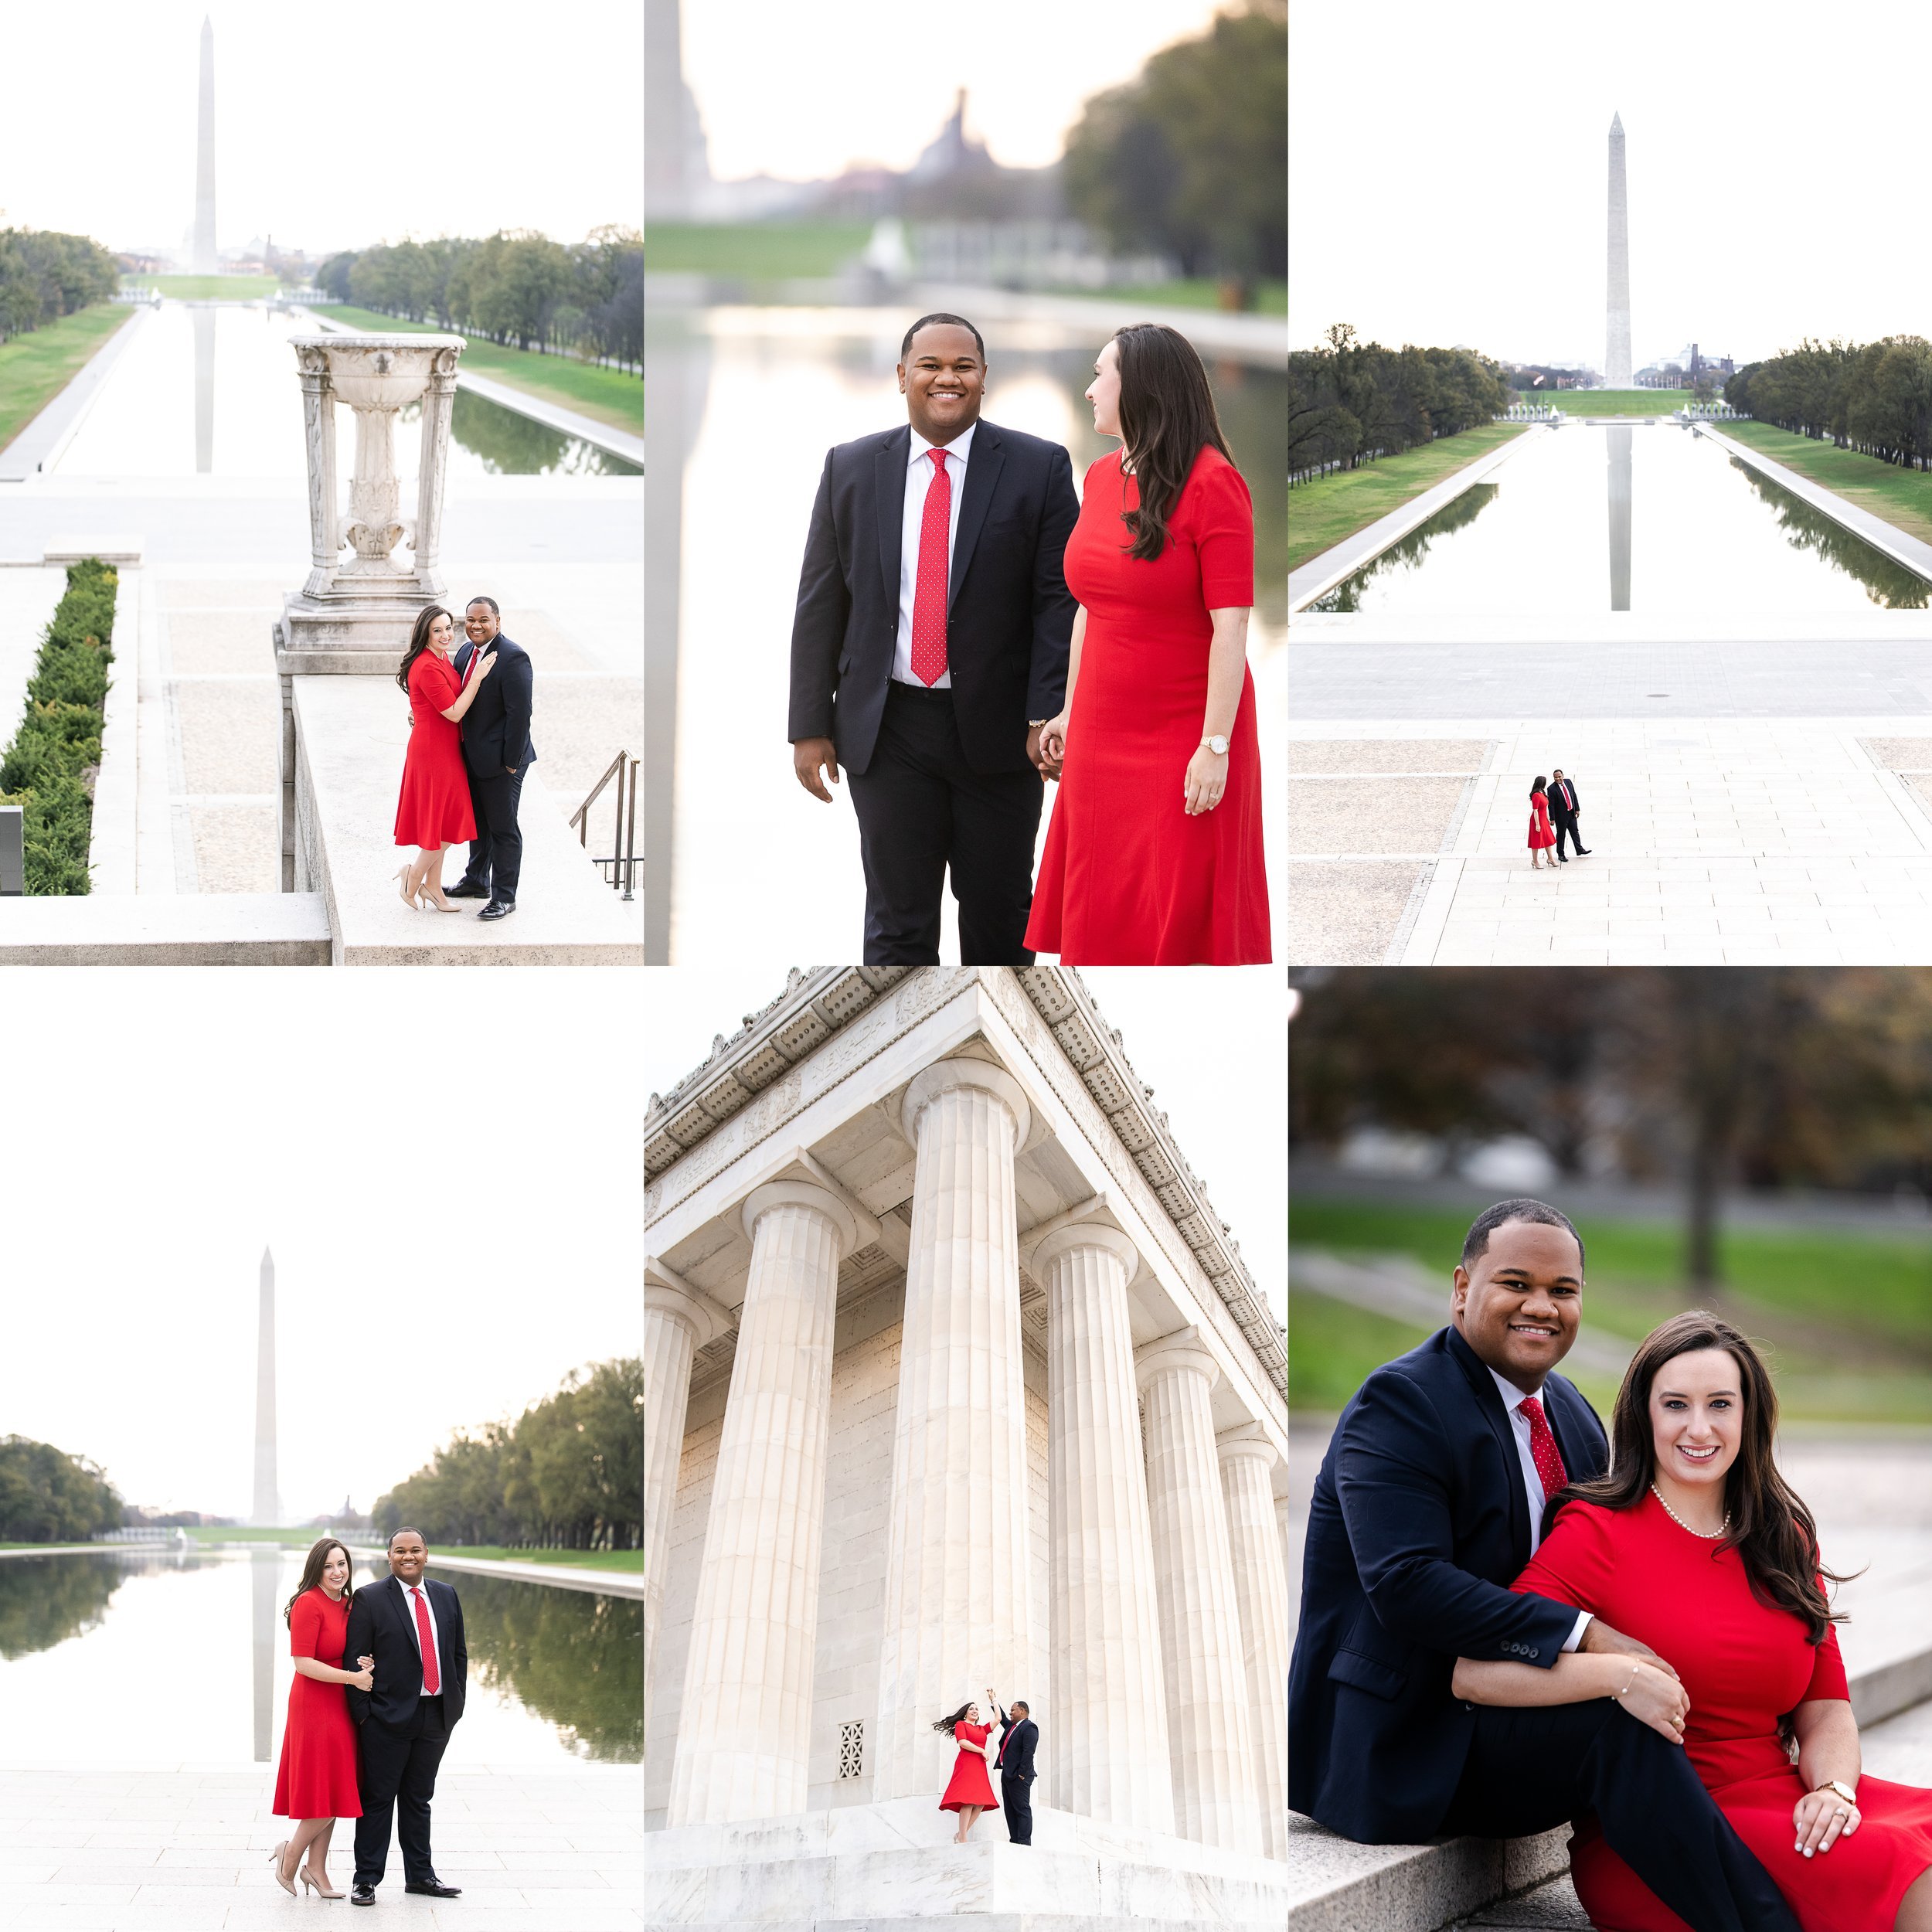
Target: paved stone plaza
x=185 y=1849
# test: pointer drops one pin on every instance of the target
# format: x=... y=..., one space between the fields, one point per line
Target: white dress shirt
x=919 y=476
x=1512 y=1400
x=409 y=1611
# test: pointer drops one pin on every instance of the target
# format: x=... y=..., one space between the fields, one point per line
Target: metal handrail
x=620 y=869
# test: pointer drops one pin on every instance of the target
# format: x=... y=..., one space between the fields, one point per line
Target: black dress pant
x=496 y=853
x=922 y=809
x=399 y=1772
x=1016 y=1795
x=1569 y=825
x=1530 y=1770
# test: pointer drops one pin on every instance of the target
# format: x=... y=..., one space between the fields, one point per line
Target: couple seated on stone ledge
x=469 y=748
x=1509 y=1623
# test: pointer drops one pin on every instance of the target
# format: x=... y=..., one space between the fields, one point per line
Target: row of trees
x=519 y=289
x=568 y=1474
x=1752 y=1076
x=47 y=1496
x=1190 y=158
x=1872 y=396
x=44 y=274
x=1351 y=401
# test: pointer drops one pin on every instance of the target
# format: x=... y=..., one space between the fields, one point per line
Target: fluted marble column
x=1109 y=1716
x=1261 y=1594
x=743 y=1728
x=678 y=1321
x=1207 y=1694
x=956 y=1614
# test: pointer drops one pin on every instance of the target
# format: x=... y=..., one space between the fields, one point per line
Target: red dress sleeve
x=1573 y=1562
x=434 y=683
x=1223 y=516
x=305 y=1627
x=1828 y=1670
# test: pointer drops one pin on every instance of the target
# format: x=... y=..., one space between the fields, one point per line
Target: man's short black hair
x=490 y=601
x=1021 y=1704
x=407 y=1531
x=926 y=321
x=1475 y=1243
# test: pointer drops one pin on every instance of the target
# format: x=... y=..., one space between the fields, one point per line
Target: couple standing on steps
x=469 y=748
x=970 y=1791
x=1554 y=801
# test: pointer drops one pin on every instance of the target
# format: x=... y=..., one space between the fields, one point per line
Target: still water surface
x=212 y=391
x=138 y=1656
x=1627 y=519
x=744 y=404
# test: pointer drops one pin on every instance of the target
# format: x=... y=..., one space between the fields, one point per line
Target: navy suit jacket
x=496 y=728
x=1418 y=1524
x=1557 y=808
x=1015 y=1757
x=380 y=1626
x=1009 y=615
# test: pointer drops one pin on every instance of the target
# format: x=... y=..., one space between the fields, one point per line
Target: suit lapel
x=983 y=467
x=1489 y=1400
x=889 y=484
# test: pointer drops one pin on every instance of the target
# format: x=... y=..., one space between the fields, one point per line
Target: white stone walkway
x=184 y=1848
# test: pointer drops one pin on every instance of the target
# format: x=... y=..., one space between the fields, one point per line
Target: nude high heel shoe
x=314 y=1884
x=275 y=1860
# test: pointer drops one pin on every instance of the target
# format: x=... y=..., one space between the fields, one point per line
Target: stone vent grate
x=851 y=1748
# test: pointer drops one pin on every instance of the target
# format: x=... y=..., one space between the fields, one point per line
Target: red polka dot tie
x=1543 y=1451
x=929 y=591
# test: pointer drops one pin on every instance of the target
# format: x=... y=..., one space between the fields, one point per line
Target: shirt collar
x=1512 y=1396
x=957 y=449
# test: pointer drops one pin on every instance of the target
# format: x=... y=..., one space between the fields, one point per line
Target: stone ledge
x=194 y=929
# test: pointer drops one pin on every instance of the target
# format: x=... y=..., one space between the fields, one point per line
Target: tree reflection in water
x=1889 y=585
x=44 y=1600
x=1407 y=553
x=509 y=444
x=574 y=1658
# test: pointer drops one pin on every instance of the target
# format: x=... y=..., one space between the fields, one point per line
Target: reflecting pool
x=186 y=1656
x=208 y=390
x=1623 y=518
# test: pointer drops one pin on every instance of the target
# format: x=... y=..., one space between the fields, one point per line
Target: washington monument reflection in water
x=1619 y=436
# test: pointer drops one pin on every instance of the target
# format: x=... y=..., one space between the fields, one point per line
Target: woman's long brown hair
x=1770 y=1528
x=1167 y=417
x=420 y=639
x=312 y=1572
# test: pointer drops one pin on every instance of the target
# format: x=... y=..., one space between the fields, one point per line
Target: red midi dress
x=1128 y=878
x=317 y=1778
x=434 y=808
x=1541 y=834
x=969 y=1785
x=1742 y=1663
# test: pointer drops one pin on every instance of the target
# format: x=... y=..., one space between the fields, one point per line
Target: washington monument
x=267 y=1511
x=205 y=262
x=1616 y=291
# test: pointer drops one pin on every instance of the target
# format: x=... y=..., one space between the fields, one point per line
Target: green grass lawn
x=758 y=251
x=46 y=1545
x=1847 y=1317
x=604 y=395
x=35 y=367
x=1270 y=298
x=1611 y=402
x=207 y=288
x=1902 y=497
x=1322 y=513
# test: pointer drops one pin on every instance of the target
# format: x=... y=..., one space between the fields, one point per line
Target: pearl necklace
x=1709 y=1535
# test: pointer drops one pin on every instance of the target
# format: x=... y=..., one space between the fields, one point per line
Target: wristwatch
x=1218 y=745
x=1844 y=1791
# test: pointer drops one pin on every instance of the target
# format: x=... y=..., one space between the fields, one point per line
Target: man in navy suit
x=414 y=1631
x=497 y=752
x=930 y=647
x=1015 y=1763
x=1430 y=1500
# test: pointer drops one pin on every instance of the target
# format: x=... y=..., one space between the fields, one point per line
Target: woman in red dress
x=433 y=810
x=316 y=1784
x=970 y=1791
x=1154 y=855
x=1542 y=837
x=1694 y=1545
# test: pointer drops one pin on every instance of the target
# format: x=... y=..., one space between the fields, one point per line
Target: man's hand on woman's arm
x=1600 y=1637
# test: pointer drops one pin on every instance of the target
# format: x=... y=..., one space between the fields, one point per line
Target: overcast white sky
x=446 y=1164
x=332 y=129
x=1447 y=173
x=1211 y=1044
x=877 y=85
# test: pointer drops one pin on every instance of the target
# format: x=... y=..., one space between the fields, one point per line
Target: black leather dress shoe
x=436 y=1889
x=464 y=889
x=360 y=1894
x=1582 y=852
x=498 y=909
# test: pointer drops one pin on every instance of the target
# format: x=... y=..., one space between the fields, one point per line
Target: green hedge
x=47 y=768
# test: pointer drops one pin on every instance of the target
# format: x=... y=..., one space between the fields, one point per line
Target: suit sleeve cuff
x=1575 y=1636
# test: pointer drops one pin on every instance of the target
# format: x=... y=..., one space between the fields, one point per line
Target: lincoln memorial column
x=1109 y=1714
x=1261 y=1590
x=1207 y=1692
x=956 y=1615
x=743 y=1727
x=678 y=1320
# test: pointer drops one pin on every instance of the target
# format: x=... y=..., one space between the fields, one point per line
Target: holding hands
x=1652 y=1694
x=364 y=1676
